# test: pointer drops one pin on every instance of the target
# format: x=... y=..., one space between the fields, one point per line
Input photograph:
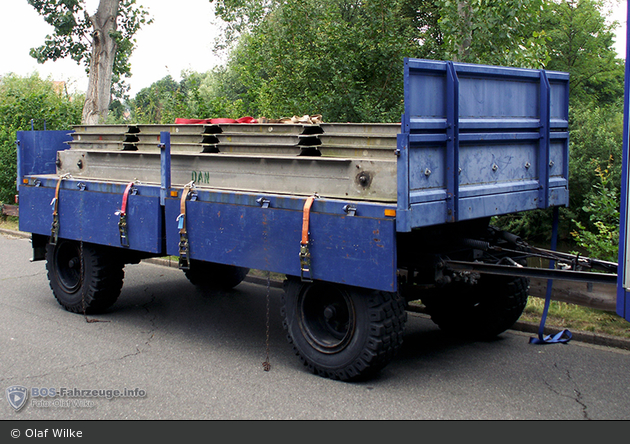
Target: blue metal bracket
x=263 y=202
x=544 y=145
x=403 y=204
x=165 y=165
x=452 y=143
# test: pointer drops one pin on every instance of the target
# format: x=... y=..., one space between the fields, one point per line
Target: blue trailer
x=360 y=218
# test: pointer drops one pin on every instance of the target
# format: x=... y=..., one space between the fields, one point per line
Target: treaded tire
x=483 y=310
x=213 y=276
x=342 y=332
x=88 y=284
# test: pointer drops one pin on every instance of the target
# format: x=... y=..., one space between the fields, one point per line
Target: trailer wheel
x=483 y=310
x=342 y=332
x=83 y=278
x=213 y=276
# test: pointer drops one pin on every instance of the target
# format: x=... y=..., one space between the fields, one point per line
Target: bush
x=24 y=100
x=601 y=239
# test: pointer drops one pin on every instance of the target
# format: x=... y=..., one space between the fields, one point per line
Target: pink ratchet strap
x=122 y=223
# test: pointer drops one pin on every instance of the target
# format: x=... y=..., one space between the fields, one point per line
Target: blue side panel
x=37 y=151
x=480 y=141
x=35 y=209
x=89 y=214
x=354 y=250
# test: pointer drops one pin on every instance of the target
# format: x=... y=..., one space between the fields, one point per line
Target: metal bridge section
x=348 y=161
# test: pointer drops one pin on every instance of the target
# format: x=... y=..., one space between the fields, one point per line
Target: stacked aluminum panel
x=356 y=161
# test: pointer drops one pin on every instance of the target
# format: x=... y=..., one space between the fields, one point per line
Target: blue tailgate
x=480 y=141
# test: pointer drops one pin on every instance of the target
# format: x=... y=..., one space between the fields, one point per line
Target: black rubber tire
x=481 y=311
x=84 y=278
x=213 y=276
x=342 y=332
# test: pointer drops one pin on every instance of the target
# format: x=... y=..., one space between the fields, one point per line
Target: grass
x=9 y=222
x=561 y=314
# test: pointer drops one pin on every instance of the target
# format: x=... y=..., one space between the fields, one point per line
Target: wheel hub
x=68 y=265
x=329 y=312
x=327 y=318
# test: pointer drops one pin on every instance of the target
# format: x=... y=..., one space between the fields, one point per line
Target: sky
x=180 y=38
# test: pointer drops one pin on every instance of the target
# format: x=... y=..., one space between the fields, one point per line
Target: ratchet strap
x=306 y=272
x=122 y=223
x=184 y=245
x=54 y=229
x=557 y=338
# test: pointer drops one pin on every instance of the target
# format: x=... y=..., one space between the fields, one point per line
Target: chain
x=266 y=365
x=82 y=286
x=81 y=279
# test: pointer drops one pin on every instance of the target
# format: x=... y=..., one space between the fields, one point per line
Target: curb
x=15 y=233
x=601 y=339
x=526 y=327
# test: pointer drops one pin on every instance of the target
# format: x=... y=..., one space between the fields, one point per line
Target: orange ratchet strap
x=305 y=254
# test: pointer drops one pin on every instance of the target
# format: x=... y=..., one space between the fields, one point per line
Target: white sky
x=180 y=38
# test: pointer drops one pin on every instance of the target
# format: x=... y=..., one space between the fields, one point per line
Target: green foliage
x=194 y=97
x=342 y=59
x=494 y=32
x=601 y=240
x=533 y=226
x=596 y=136
x=72 y=26
x=581 y=43
x=239 y=16
x=23 y=100
x=157 y=103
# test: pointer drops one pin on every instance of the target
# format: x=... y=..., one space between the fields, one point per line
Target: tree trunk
x=465 y=12
x=104 y=49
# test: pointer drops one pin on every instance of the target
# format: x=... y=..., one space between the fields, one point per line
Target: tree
x=240 y=16
x=341 y=58
x=494 y=32
x=581 y=43
x=103 y=42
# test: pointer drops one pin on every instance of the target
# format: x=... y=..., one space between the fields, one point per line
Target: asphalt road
x=199 y=356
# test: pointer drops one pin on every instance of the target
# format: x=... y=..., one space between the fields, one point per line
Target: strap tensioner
x=306 y=271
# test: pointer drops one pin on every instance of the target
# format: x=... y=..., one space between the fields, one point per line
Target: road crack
x=577 y=394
